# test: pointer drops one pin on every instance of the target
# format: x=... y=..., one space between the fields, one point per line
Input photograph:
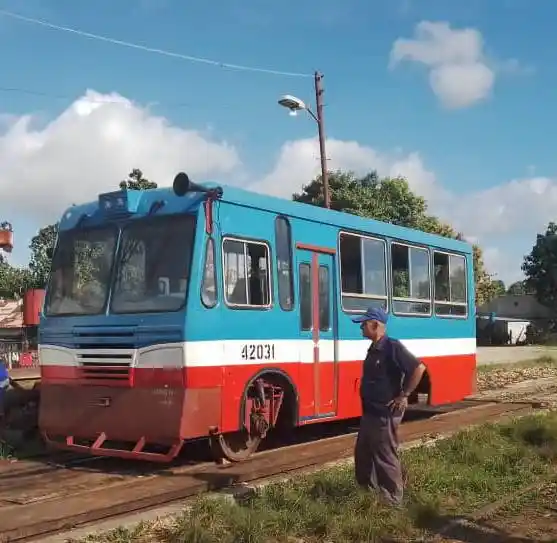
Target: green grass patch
x=452 y=477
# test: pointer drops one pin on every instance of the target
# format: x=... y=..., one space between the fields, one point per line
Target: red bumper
x=126 y=422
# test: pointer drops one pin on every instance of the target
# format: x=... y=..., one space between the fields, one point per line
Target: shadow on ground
x=461 y=529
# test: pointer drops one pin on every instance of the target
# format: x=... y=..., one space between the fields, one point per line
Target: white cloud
x=93 y=144
x=459 y=72
x=504 y=219
x=298 y=163
x=523 y=205
x=90 y=147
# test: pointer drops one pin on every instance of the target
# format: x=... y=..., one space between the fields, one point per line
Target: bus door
x=318 y=323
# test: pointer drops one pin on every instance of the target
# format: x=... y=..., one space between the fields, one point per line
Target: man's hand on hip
x=400 y=403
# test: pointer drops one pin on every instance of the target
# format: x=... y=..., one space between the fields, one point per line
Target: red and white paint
x=179 y=391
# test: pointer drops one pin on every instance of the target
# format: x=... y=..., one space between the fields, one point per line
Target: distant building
x=505 y=319
x=11 y=331
x=11 y=317
x=18 y=342
x=523 y=307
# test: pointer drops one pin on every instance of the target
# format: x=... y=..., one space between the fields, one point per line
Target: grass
x=452 y=477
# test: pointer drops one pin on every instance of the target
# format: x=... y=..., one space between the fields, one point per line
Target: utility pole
x=321 y=129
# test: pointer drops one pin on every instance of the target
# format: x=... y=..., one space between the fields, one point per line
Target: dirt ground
x=530 y=518
x=536 y=384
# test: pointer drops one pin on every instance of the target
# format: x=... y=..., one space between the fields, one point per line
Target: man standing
x=390 y=375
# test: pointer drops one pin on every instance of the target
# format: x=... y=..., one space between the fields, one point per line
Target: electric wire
x=148 y=49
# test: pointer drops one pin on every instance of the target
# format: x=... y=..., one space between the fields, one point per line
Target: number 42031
x=261 y=351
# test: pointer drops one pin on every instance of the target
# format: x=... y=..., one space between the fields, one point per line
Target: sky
x=459 y=97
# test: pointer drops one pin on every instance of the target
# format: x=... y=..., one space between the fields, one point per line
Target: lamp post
x=294 y=105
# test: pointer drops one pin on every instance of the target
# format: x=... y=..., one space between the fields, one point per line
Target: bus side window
x=411 y=279
x=363 y=272
x=283 y=240
x=450 y=285
x=246 y=273
x=209 y=282
x=306 y=315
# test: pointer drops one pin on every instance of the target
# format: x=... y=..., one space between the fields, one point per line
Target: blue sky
x=468 y=154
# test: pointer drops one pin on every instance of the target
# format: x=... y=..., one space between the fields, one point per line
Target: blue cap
x=373 y=314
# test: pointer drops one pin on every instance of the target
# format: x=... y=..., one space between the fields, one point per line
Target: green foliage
x=390 y=199
x=540 y=267
x=42 y=246
x=519 y=288
x=499 y=287
x=136 y=181
x=14 y=281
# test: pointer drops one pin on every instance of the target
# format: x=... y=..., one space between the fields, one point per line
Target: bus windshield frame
x=143 y=266
x=162 y=285
x=81 y=272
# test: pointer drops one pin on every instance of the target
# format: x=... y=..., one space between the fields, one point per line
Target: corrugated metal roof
x=11 y=314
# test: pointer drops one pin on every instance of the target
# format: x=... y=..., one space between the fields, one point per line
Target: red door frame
x=315 y=250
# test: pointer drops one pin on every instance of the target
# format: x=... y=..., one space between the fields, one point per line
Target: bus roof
x=280 y=206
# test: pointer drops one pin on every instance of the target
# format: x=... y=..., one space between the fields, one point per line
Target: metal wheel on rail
x=262 y=404
x=234 y=447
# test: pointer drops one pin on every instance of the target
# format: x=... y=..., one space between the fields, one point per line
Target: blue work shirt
x=385 y=369
x=4 y=382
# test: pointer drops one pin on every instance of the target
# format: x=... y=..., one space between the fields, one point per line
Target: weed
x=453 y=477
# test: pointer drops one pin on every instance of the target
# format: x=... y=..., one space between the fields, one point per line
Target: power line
x=90 y=99
x=147 y=49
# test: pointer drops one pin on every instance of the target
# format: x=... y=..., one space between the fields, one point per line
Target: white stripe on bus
x=237 y=352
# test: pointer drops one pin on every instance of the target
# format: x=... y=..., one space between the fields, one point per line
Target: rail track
x=39 y=498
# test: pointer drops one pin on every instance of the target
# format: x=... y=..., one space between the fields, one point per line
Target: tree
x=136 y=181
x=13 y=281
x=540 y=267
x=388 y=199
x=519 y=288
x=499 y=287
x=391 y=200
x=42 y=246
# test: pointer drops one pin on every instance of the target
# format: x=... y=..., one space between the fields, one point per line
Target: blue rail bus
x=212 y=312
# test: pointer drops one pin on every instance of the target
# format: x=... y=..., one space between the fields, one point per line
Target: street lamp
x=294 y=105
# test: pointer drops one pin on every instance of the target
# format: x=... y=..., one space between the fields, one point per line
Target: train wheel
x=235 y=447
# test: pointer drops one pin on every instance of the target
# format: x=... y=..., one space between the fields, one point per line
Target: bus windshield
x=151 y=271
x=153 y=265
x=81 y=269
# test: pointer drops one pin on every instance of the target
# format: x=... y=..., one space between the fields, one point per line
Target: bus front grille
x=105 y=364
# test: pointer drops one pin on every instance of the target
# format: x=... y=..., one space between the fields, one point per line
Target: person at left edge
x=4 y=384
